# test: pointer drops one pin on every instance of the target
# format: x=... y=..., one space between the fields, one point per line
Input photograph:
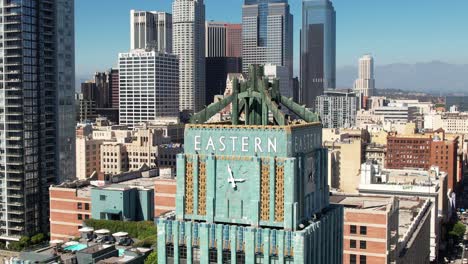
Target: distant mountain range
x=432 y=77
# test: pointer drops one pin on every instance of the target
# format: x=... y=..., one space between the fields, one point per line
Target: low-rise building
x=344 y=162
x=88 y=156
x=384 y=229
x=430 y=184
x=70 y=205
x=136 y=195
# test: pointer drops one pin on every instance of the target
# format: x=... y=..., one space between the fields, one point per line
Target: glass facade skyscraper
x=37 y=110
x=318 y=49
x=267 y=34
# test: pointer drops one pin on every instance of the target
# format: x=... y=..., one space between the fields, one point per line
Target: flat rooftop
x=376 y=203
x=409 y=208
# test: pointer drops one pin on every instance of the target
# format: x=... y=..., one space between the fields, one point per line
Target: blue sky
x=395 y=31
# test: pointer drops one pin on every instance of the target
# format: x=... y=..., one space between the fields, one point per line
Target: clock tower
x=253 y=190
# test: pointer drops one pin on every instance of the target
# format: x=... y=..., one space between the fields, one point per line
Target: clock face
x=235 y=189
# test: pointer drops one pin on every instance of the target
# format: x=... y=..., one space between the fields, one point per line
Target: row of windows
x=353 y=259
x=362 y=230
x=79 y=206
x=362 y=244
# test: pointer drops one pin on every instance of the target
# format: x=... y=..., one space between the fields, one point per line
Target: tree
x=152 y=258
x=37 y=238
x=458 y=230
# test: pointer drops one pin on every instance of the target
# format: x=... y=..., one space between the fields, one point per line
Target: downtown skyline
x=356 y=35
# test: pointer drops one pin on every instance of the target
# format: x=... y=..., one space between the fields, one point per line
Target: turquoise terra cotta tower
x=253 y=190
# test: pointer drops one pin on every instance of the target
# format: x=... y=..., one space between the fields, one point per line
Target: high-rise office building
x=114 y=77
x=37 y=110
x=189 y=46
x=337 y=109
x=267 y=34
x=222 y=40
x=318 y=49
x=234 y=40
x=151 y=30
x=215 y=42
x=149 y=87
x=364 y=86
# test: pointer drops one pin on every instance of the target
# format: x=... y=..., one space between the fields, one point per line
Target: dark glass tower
x=37 y=137
x=318 y=49
x=267 y=33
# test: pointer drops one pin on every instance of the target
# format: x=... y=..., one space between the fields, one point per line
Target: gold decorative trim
x=279 y=191
x=265 y=191
x=189 y=187
x=201 y=187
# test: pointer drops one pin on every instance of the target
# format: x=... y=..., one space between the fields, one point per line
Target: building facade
x=267 y=34
x=189 y=46
x=424 y=151
x=337 y=109
x=217 y=70
x=37 y=111
x=152 y=30
x=253 y=193
x=318 y=50
x=149 y=87
x=88 y=156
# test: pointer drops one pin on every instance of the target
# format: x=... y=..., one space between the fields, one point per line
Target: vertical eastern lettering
x=234 y=140
x=210 y=144
x=271 y=145
x=221 y=142
x=245 y=144
x=258 y=145
x=197 y=143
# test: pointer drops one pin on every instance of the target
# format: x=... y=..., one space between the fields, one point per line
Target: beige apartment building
x=114 y=159
x=88 y=156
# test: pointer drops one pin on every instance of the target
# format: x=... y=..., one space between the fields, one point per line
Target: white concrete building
x=364 y=86
x=411 y=183
x=337 y=109
x=152 y=30
x=456 y=123
x=397 y=113
x=149 y=87
x=189 y=45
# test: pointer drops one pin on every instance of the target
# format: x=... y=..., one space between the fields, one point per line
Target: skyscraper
x=222 y=40
x=267 y=34
x=189 y=45
x=151 y=30
x=318 y=49
x=149 y=87
x=253 y=191
x=364 y=86
x=234 y=40
x=37 y=111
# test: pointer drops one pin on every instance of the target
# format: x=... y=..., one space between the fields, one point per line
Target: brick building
x=421 y=151
x=385 y=229
x=70 y=204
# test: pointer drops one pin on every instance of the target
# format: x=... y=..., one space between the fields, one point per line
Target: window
x=362 y=259
x=80 y=217
x=362 y=244
x=86 y=217
x=86 y=206
x=102 y=197
x=353 y=229
x=80 y=206
x=213 y=255
x=352 y=259
x=240 y=258
x=226 y=257
x=363 y=230
x=170 y=250
x=183 y=252
x=352 y=244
